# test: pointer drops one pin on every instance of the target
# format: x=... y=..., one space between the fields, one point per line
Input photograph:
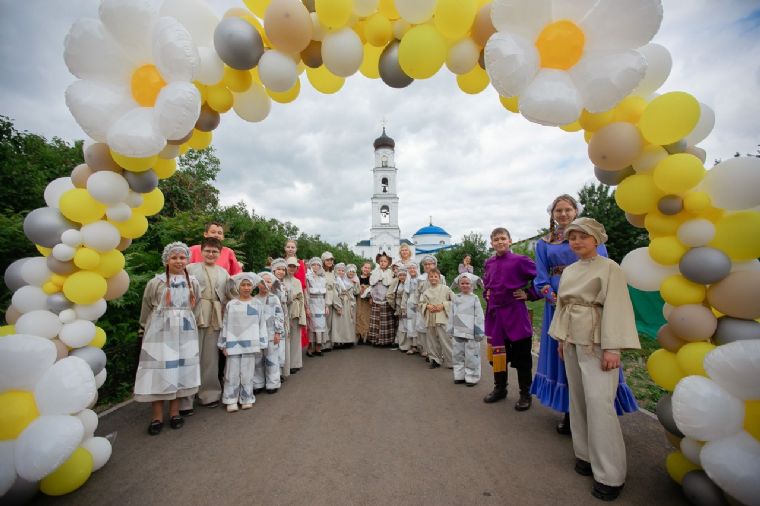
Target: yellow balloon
x=630 y=109
x=664 y=369
x=200 y=139
x=134 y=227
x=153 y=202
x=637 y=194
x=388 y=9
x=165 y=168
x=510 y=103
x=78 y=205
x=134 y=164
x=571 y=127
x=370 y=67
x=323 y=80
x=752 y=418
x=219 y=98
x=453 y=18
x=85 y=287
x=236 y=80
x=691 y=357
x=258 y=7
x=658 y=224
x=86 y=258
x=474 y=81
x=678 y=465
x=146 y=84
x=378 y=30
x=669 y=118
x=100 y=338
x=285 y=97
x=560 y=45
x=738 y=235
x=70 y=475
x=43 y=250
x=50 y=288
x=676 y=290
x=422 y=52
x=58 y=279
x=17 y=410
x=696 y=201
x=666 y=250
x=334 y=13
x=593 y=121
x=202 y=89
x=111 y=263
x=678 y=173
x=7 y=330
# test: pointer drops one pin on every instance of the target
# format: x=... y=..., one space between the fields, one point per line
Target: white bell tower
x=385 y=233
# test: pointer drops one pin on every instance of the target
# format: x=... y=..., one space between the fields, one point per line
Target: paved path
x=363 y=427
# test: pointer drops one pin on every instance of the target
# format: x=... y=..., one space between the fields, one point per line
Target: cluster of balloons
x=155 y=78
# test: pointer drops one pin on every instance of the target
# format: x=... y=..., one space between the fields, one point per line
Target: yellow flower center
x=17 y=410
x=146 y=85
x=560 y=45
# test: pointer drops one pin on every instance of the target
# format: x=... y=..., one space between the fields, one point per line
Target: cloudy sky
x=462 y=159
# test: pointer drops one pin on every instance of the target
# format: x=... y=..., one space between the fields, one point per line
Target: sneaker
x=524 y=402
x=495 y=395
x=246 y=406
x=231 y=408
x=393 y=348
x=606 y=492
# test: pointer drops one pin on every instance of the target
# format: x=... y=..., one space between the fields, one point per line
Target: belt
x=557 y=270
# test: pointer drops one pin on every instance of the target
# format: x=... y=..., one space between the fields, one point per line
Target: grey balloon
x=59 y=267
x=735 y=329
x=670 y=204
x=390 y=70
x=677 y=147
x=238 y=43
x=45 y=225
x=95 y=357
x=141 y=182
x=312 y=55
x=700 y=490
x=613 y=178
x=57 y=302
x=705 y=265
x=208 y=120
x=664 y=413
x=12 y=276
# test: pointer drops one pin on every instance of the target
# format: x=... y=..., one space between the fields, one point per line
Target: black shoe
x=583 y=468
x=434 y=365
x=606 y=492
x=176 y=422
x=563 y=427
x=470 y=384
x=257 y=391
x=309 y=354
x=212 y=404
x=155 y=427
x=524 y=402
x=326 y=350
x=458 y=382
x=186 y=412
x=427 y=359
x=319 y=353
x=293 y=371
x=496 y=395
x=272 y=390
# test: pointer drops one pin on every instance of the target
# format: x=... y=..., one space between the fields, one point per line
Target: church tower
x=385 y=233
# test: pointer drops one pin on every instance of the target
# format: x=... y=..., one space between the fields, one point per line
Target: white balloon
x=89 y=420
x=92 y=53
x=120 y=212
x=643 y=273
x=277 y=70
x=67 y=387
x=318 y=31
x=691 y=448
x=617 y=25
x=751 y=265
x=98 y=105
x=649 y=158
x=463 y=55
x=195 y=15
x=342 y=52
x=100 y=378
x=704 y=125
x=551 y=99
x=91 y=311
x=696 y=232
x=211 y=69
x=177 y=109
x=736 y=367
x=131 y=24
x=136 y=134
x=29 y=298
x=364 y=8
x=107 y=187
x=732 y=463
x=39 y=323
x=100 y=235
x=63 y=252
x=512 y=63
x=525 y=18
x=55 y=189
x=415 y=11
x=134 y=199
x=704 y=411
x=733 y=184
x=46 y=444
x=7 y=466
x=603 y=80
x=400 y=27
x=23 y=361
x=72 y=237
x=35 y=271
x=67 y=316
x=100 y=449
x=77 y=333
x=253 y=105
x=659 y=63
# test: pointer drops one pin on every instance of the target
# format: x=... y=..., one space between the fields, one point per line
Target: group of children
x=256 y=319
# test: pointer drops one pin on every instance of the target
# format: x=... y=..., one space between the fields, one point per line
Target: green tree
x=190 y=188
x=472 y=244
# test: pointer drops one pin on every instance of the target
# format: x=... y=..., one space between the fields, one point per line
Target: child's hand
x=561 y=350
x=327 y=310
x=520 y=294
x=224 y=350
x=610 y=360
x=338 y=312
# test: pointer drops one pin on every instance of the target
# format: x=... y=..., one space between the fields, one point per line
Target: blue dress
x=550 y=382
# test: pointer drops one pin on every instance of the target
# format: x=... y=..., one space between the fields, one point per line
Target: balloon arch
x=154 y=80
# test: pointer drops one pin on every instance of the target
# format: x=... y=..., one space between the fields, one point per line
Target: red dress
x=301 y=276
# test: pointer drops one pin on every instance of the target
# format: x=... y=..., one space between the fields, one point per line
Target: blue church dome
x=431 y=230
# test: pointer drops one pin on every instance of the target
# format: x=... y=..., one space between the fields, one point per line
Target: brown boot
x=496 y=395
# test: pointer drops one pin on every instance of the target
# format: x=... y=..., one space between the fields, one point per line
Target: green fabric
x=647 y=307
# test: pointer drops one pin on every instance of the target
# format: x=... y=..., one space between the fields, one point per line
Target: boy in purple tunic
x=507 y=322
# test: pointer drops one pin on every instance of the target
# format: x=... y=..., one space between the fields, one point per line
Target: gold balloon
x=288 y=25
x=615 y=146
x=737 y=295
x=482 y=26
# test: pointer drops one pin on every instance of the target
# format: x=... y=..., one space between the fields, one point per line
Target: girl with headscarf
x=343 y=329
x=381 y=330
x=316 y=287
x=363 y=305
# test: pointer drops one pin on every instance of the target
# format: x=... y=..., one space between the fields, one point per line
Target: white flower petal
x=7 y=466
x=91 y=52
x=617 y=25
x=23 y=361
x=211 y=69
x=136 y=134
x=195 y=15
x=67 y=387
x=604 y=80
x=46 y=444
x=100 y=449
x=131 y=23
x=177 y=109
x=511 y=62
x=736 y=367
x=704 y=411
x=97 y=105
x=524 y=17
x=551 y=99
x=573 y=10
x=174 y=53
x=732 y=463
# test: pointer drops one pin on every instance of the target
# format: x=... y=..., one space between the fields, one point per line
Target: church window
x=384 y=161
x=385 y=215
x=442 y=242
x=384 y=183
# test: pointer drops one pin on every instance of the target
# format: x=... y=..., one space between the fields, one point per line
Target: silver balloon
x=612 y=178
x=208 y=120
x=59 y=267
x=735 y=329
x=45 y=225
x=664 y=413
x=700 y=490
x=670 y=204
x=21 y=492
x=390 y=69
x=95 y=357
x=705 y=265
x=677 y=147
x=12 y=276
x=57 y=302
x=141 y=182
x=238 y=43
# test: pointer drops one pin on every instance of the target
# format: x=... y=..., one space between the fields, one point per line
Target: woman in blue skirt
x=553 y=254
